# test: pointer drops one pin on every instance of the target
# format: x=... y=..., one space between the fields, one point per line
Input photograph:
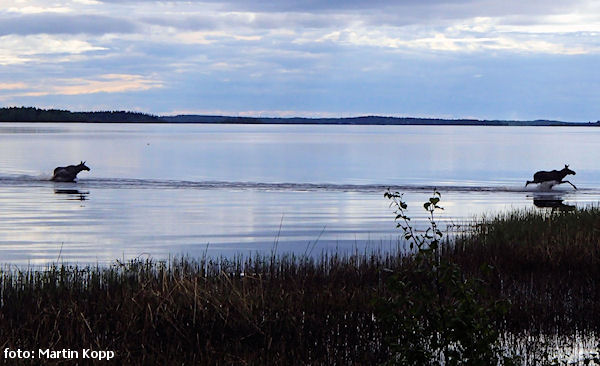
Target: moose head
x=568 y=171
x=82 y=166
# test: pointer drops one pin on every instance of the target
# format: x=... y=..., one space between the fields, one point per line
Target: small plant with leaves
x=431 y=238
x=433 y=313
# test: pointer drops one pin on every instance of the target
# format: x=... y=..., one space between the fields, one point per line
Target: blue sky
x=441 y=58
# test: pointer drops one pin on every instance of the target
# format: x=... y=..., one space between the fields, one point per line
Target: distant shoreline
x=36 y=115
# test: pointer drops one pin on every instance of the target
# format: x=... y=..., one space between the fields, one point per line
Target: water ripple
x=124 y=183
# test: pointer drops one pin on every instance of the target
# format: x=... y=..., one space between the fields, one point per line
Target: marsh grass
x=260 y=310
x=546 y=263
x=286 y=309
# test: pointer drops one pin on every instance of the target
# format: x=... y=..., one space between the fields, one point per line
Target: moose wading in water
x=552 y=178
x=68 y=173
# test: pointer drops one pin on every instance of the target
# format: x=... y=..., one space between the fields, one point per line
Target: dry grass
x=258 y=311
x=299 y=310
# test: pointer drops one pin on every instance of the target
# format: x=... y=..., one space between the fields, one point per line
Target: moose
x=552 y=178
x=68 y=173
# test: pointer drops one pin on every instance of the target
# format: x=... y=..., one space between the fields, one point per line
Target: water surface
x=165 y=190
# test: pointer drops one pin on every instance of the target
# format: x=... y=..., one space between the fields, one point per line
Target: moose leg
x=566 y=181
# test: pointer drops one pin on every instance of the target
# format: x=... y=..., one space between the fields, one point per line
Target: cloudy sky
x=496 y=59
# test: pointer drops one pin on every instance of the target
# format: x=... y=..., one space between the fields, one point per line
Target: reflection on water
x=127 y=221
x=552 y=201
x=222 y=190
x=73 y=194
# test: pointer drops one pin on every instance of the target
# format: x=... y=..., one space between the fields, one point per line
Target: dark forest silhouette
x=32 y=114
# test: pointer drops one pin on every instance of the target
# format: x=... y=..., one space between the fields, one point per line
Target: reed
x=286 y=309
x=260 y=310
x=546 y=263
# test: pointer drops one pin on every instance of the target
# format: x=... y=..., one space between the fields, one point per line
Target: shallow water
x=160 y=190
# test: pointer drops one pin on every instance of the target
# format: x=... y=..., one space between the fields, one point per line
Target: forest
x=32 y=114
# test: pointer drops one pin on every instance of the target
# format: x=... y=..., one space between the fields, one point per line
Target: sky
x=487 y=59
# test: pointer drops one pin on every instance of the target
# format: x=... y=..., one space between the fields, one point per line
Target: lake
x=163 y=190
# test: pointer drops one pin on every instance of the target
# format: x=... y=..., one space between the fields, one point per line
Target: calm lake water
x=167 y=190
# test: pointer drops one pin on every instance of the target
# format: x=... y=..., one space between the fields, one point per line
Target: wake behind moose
x=68 y=173
x=552 y=178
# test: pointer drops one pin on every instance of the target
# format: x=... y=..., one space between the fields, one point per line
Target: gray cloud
x=320 y=5
x=266 y=21
x=301 y=5
x=64 y=24
x=452 y=7
x=439 y=12
x=197 y=22
x=430 y=57
x=292 y=14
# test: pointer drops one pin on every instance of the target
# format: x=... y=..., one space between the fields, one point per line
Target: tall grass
x=546 y=263
x=306 y=310
x=260 y=310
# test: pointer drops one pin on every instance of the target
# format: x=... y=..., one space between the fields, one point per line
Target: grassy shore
x=548 y=265
x=305 y=310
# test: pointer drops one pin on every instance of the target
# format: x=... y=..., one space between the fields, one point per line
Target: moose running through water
x=550 y=179
x=68 y=173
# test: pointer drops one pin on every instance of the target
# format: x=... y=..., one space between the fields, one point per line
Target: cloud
x=186 y=22
x=12 y=86
x=247 y=20
x=297 y=5
x=430 y=8
x=460 y=42
x=38 y=9
x=108 y=83
x=312 y=56
x=39 y=48
x=46 y=23
x=452 y=26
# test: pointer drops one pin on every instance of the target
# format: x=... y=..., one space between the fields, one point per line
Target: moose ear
x=566 y=165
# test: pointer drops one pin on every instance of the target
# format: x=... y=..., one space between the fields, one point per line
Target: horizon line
x=339 y=117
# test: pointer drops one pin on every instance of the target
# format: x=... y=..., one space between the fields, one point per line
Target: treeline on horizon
x=32 y=114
